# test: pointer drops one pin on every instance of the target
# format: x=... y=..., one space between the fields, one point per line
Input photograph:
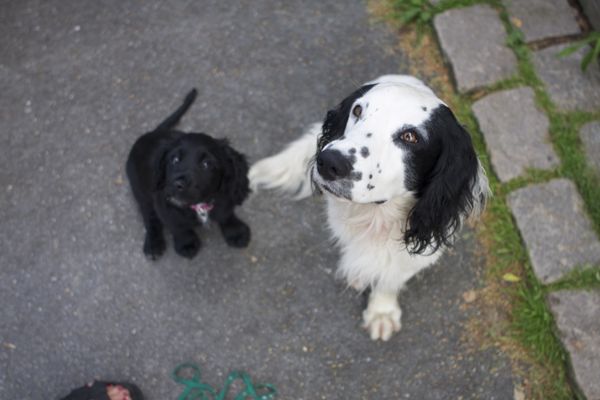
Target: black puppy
x=180 y=180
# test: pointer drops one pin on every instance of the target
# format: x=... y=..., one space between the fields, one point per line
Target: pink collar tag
x=202 y=210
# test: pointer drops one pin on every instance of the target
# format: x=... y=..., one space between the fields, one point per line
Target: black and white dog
x=180 y=180
x=399 y=174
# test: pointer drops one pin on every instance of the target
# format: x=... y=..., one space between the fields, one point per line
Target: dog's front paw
x=188 y=246
x=382 y=318
x=154 y=246
x=236 y=234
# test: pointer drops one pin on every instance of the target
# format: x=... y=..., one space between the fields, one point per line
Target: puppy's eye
x=206 y=164
x=175 y=159
x=357 y=110
x=409 y=137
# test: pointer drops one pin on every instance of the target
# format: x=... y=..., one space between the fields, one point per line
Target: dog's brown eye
x=409 y=137
x=357 y=110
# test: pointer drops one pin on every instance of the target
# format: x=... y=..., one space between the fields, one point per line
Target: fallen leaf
x=469 y=296
x=516 y=22
x=508 y=277
x=518 y=394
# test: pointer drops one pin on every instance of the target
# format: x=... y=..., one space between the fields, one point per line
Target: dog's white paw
x=382 y=317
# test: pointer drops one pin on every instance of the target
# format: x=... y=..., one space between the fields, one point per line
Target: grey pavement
x=80 y=82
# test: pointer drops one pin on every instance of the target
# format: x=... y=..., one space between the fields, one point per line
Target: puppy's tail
x=174 y=118
x=288 y=171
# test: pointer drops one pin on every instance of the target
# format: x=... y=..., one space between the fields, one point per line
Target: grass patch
x=586 y=277
x=515 y=316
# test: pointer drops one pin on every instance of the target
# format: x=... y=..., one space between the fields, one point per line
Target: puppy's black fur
x=171 y=171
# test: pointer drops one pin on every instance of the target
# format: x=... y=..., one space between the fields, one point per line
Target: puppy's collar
x=202 y=210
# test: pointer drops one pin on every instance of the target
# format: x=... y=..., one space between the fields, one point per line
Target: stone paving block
x=473 y=39
x=569 y=87
x=590 y=136
x=577 y=316
x=516 y=132
x=591 y=9
x=542 y=19
x=555 y=228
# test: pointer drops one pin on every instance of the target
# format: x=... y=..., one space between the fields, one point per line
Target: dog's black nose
x=180 y=183
x=332 y=164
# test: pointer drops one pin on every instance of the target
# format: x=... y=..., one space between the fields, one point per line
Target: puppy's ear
x=336 y=120
x=454 y=188
x=159 y=168
x=235 y=181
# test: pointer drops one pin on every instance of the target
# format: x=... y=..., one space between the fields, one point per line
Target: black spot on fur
x=369 y=134
x=370 y=176
x=337 y=118
x=364 y=152
x=355 y=175
x=370 y=187
x=424 y=108
x=352 y=150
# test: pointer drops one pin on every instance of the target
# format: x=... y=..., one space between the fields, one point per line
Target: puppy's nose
x=332 y=164
x=180 y=183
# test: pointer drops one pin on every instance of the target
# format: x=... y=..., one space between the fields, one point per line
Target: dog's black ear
x=336 y=119
x=449 y=191
x=159 y=167
x=235 y=181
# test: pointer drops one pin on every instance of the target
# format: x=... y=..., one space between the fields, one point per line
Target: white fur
x=370 y=236
x=287 y=171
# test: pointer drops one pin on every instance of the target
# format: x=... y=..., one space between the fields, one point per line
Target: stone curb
x=569 y=87
x=516 y=132
x=577 y=317
x=555 y=228
x=485 y=59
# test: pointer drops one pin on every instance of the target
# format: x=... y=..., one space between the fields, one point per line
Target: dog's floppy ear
x=454 y=188
x=159 y=166
x=235 y=180
x=336 y=119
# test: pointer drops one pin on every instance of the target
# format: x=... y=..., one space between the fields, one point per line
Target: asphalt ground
x=80 y=81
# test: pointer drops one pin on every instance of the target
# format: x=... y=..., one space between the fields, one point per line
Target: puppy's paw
x=236 y=234
x=189 y=246
x=382 y=318
x=154 y=246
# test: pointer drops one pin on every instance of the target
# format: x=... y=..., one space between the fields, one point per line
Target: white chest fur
x=371 y=240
